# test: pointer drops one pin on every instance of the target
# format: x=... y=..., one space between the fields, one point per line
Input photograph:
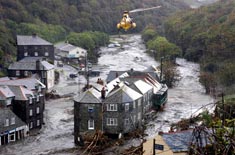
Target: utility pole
x=161 y=69
x=87 y=72
x=223 y=109
x=154 y=146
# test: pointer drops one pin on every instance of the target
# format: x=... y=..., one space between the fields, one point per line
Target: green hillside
x=207 y=35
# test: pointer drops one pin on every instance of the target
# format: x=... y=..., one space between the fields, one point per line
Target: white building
x=68 y=51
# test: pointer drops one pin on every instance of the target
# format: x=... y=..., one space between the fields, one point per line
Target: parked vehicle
x=73 y=75
x=60 y=64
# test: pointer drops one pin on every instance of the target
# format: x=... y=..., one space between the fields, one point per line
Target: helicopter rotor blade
x=144 y=9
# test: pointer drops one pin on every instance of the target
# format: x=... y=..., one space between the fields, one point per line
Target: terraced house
x=12 y=128
x=33 y=66
x=26 y=98
x=116 y=108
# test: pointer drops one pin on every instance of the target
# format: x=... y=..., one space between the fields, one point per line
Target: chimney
x=103 y=93
x=116 y=74
x=34 y=35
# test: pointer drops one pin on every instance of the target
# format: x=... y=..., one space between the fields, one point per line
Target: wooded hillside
x=207 y=35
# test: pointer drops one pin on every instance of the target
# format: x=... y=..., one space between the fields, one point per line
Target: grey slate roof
x=29 y=63
x=89 y=96
x=21 y=93
x=5 y=92
x=127 y=94
x=178 y=141
x=67 y=47
x=6 y=113
x=4 y=78
x=31 y=40
x=132 y=73
x=30 y=83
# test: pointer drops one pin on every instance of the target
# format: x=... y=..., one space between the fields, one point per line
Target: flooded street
x=57 y=133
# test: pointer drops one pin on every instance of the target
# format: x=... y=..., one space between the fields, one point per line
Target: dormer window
x=6 y=122
x=13 y=121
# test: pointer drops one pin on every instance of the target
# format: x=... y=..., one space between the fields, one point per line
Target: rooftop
x=21 y=93
x=30 y=63
x=31 y=40
x=5 y=92
x=6 y=113
x=67 y=47
x=30 y=83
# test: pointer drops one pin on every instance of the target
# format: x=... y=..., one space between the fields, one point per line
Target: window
x=25 y=54
x=35 y=53
x=111 y=107
x=134 y=119
x=134 y=105
x=46 y=54
x=30 y=112
x=8 y=102
x=13 y=121
x=38 y=122
x=39 y=88
x=38 y=98
x=25 y=47
x=91 y=125
x=111 y=121
x=127 y=107
x=30 y=100
x=127 y=121
x=26 y=73
x=31 y=125
x=38 y=110
x=6 y=122
x=17 y=73
x=139 y=102
x=12 y=137
x=139 y=115
x=90 y=108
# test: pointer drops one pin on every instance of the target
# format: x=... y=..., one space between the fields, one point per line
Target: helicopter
x=127 y=22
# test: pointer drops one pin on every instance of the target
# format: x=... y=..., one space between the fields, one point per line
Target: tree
x=163 y=48
x=208 y=81
x=148 y=34
x=170 y=73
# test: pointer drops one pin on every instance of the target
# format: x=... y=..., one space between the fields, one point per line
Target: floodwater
x=57 y=133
